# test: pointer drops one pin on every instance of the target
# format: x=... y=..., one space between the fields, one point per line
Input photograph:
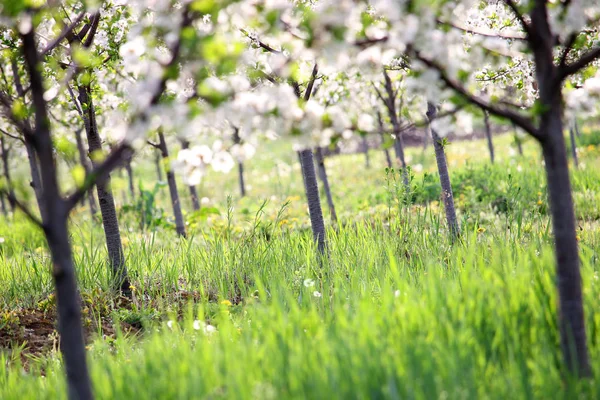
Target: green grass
x=402 y=313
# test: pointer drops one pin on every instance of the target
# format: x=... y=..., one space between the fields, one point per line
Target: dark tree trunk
x=440 y=158
x=399 y=148
x=518 y=140
x=388 y=158
x=36 y=181
x=130 y=179
x=365 y=143
x=157 y=164
x=55 y=228
x=108 y=210
x=390 y=103
x=573 y=146
x=238 y=140
x=241 y=178
x=6 y=171
x=4 y=209
x=164 y=151
x=571 y=315
x=323 y=176
x=83 y=160
x=488 y=135
x=576 y=126
x=311 y=189
x=193 y=193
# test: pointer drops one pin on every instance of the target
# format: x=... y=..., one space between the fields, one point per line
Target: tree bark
x=440 y=158
x=488 y=135
x=83 y=160
x=323 y=176
x=6 y=170
x=159 y=173
x=311 y=189
x=518 y=140
x=130 y=179
x=55 y=229
x=388 y=158
x=164 y=151
x=571 y=314
x=36 y=181
x=193 y=193
x=241 y=178
x=108 y=210
x=573 y=146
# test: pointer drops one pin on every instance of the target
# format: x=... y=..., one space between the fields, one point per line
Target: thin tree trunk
x=571 y=314
x=576 y=126
x=440 y=158
x=130 y=179
x=323 y=176
x=241 y=178
x=55 y=229
x=238 y=140
x=108 y=210
x=573 y=146
x=388 y=158
x=83 y=160
x=4 y=209
x=6 y=170
x=488 y=135
x=159 y=173
x=518 y=140
x=399 y=147
x=36 y=181
x=164 y=151
x=311 y=189
x=193 y=193
x=366 y=152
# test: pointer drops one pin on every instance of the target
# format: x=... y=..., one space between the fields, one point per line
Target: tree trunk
x=54 y=221
x=110 y=221
x=130 y=179
x=388 y=158
x=83 y=160
x=399 y=148
x=518 y=140
x=193 y=193
x=36 y=182
x=164 y=151
x=571 y=315
x=311 y=189
x=6 y=170
x=159 y=173
x=238 y=140
x=576 y=126
x=488 y=135
x=440 y=158
x=573 y=146
x=241 y=178
x=365 y=143
x=72 y=341
x=323 y=176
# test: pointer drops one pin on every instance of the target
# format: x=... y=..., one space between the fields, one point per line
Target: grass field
x=244 y=308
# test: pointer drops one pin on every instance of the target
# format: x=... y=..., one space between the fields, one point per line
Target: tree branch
x=14 y=202
x=118 y=156
x=5 y=133
x=523 y=122
x=67 y=30
x=587 y=58
x=480 y=33
x=155 y=145
x=515 y=9
x=311 y=83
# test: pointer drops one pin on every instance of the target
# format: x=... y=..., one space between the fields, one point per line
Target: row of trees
x=313 y=73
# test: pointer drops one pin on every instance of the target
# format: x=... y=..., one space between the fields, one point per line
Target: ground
x=245 y=309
